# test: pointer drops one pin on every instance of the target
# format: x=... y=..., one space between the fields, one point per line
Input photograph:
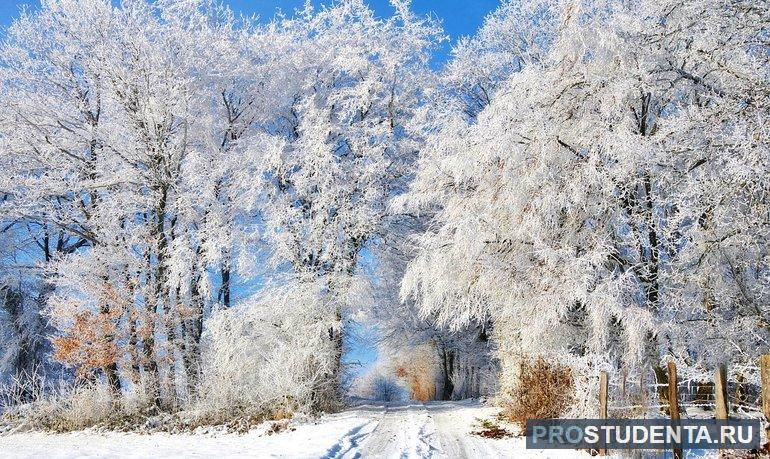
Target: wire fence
x=633 y=396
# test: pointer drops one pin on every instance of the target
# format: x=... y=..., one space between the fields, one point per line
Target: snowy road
x=434 y=430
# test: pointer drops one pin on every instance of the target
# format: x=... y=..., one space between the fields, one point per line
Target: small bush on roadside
x=544 y=391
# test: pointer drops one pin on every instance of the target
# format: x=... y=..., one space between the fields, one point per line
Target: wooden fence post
x=764 y=372
x=603 y=389
x=673 y=404
x=720 y=390
x=720 y=393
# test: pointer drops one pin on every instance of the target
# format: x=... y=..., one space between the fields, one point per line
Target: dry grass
x=95 y=405
x=490 y=429
x=544 y=391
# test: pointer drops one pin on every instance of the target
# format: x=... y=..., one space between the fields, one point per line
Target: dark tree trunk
x=448 y=358
x=111 y=373
x=193 y=330
x=224 y=290
x=12 y=303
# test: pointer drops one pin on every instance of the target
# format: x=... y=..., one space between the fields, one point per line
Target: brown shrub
x=544 y=391
x=422 y=385
x=418 y=370
x=88 y=344
x=279 y=426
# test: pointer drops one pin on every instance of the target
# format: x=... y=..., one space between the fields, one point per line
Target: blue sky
x=459 y=17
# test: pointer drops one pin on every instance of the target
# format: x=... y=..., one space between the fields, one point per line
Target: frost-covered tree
x=342 y=147
x=706 y=84
x=113 y=117
x=572 y=211
x=48 y=119
x=139 y=137
x=517 y=34
x=462 y=358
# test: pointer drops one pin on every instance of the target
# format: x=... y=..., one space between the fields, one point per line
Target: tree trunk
x=336 y=336
x=224 y=290
x=193 y=330
x=111 y=373
x=448 y=358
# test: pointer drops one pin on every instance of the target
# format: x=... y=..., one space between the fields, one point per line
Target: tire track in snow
x=454 y=428
x=426 y=436
x=406 y=431
x=347 y=446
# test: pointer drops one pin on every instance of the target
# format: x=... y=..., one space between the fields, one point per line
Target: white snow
x=408 y=430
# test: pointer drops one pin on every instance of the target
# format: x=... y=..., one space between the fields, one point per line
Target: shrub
x=272 y=354
x=379 y=383
x=387 y=389
x=418 y=369
x=422 y=384
x=543 y=391
x=64 y=407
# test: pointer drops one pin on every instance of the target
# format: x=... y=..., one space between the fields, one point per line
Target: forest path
x=432 y=430
x=373 y=430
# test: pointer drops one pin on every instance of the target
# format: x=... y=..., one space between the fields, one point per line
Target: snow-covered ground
x=414 y=430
